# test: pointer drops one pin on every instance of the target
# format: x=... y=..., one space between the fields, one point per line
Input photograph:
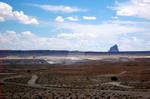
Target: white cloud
x=24 y=19
x=136 y=8
x=59 y=19
x=85 y=37
x=89 y=18
x=72 y=18
x=27 y=33
x=2 y=19
x=6 y=13
x=133 y=44
x=29 y=41
x=115 y=17
x=59 y=8
x=106 y=28
x=106 y=34
x=134 y=38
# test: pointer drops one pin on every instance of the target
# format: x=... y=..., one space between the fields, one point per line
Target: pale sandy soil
x=79 y=58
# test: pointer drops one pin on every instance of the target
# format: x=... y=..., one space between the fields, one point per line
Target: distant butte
x=114 y=48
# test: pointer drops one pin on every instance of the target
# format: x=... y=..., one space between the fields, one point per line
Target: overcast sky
x=85 y=25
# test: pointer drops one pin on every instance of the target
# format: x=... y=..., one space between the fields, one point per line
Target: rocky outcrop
x=114 y=48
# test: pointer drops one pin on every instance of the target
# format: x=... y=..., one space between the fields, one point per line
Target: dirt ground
x=95 y=79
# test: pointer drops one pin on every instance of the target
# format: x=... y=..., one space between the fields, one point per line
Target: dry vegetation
x=80 y=81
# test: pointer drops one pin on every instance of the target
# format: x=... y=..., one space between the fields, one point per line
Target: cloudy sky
x=86 y=25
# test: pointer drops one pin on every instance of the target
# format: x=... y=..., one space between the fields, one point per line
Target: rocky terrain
x=110 y=77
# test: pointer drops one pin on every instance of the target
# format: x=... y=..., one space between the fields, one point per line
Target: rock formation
x=114 y=49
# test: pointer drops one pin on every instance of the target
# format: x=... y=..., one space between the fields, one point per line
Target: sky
x=84 y=25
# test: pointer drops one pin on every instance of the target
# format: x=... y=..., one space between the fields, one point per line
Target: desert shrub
x=114 y=78
x=28 y=71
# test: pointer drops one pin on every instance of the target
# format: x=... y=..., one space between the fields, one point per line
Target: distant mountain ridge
x=113 y=50
x=4 y=53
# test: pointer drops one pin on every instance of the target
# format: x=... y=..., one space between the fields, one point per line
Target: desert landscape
x=75 y=77
x=74 y=49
